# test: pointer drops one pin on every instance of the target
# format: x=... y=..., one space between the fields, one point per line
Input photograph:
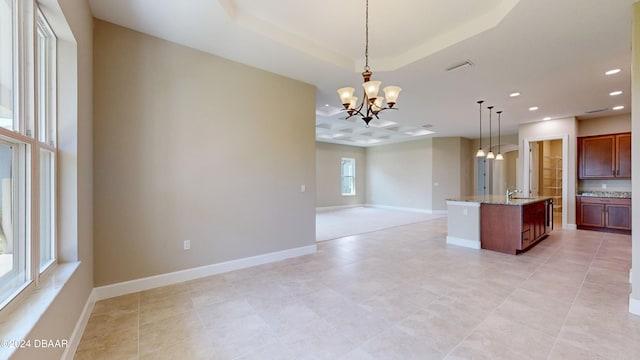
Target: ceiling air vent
x=460 y=65
x=596 y=111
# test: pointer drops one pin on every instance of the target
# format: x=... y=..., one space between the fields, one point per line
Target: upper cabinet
x=605 y=156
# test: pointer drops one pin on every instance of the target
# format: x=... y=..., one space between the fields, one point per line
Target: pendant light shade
x=480 y=152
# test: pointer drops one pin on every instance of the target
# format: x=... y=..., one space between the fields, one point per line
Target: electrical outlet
x=187 y=244
x=303 y=188
x=604 y=186
x=465 y=211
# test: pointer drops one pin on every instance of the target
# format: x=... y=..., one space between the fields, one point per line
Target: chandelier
x=371 y=104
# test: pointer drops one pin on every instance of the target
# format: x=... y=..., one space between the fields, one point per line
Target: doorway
x=546 y=173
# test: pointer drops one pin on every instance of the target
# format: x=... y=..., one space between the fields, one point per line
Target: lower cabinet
x=514 y=228
x=603 y=214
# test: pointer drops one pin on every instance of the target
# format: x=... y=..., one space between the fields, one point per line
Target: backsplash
x=611 y=185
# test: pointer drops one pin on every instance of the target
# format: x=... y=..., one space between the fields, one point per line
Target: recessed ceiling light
x=612 y=72
x=514 y=94
x=615 y=93
x=533 y=108
x=618 y=107
x=547 y=118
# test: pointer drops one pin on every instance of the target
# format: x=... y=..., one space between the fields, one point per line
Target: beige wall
x=328 y=174
x=546 y=130
x=190 y=146
x=450 y=170
x=419 y=174
x=604 y=125
x=399 y=175
x=635 y=143
x=467 y=162
x=72 y=22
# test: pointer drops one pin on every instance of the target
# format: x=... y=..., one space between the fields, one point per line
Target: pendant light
x=490 y=154
x=480 y=152
x=499 y=156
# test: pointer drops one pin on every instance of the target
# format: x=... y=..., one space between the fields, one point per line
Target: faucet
x=511 y=192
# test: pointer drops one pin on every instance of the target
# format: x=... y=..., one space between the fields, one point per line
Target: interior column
x=634 y=298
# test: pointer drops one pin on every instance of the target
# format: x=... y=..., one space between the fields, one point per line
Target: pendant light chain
x=366 y=37
x=499 y=140
x=490 y=111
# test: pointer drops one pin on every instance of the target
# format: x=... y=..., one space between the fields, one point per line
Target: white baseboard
x=634 y=306
x=572 y=227
x=416 y=210
x=463 y=242
x=128 y=287
x=338 y=207
x=76 y=336
x=132 y=286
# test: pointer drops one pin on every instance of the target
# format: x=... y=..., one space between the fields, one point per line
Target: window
x=7 y=64
x=27 y=148
x=348 y=176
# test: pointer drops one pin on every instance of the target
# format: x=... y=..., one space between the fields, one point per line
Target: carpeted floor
x=333 y=224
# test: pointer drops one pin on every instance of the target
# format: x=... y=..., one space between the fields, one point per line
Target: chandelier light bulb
x=353 y=102
x=391 y=93
x=346 y=94
x=378 y=105
x=371 y=88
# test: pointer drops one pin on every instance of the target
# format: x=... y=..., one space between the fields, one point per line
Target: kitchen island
x=492 y=222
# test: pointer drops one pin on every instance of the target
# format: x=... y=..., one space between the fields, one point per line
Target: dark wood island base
x=513 y=228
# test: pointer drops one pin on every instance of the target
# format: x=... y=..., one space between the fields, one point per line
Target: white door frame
x=565 y=169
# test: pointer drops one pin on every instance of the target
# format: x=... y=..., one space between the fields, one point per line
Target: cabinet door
x=597 y=156
x=591 y=214
x=618 y=217
x=623 y=156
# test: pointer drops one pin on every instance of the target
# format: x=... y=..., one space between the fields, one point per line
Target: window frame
x=27 y=134
x=351 y=178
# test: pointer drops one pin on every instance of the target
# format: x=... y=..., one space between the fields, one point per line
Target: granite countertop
x=500 y=199
x=606 y=194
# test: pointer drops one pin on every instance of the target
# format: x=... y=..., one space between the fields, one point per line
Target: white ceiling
x=555 y=53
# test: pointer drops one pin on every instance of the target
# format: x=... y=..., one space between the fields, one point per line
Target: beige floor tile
x=317 y=340
x=241 y=336
x=158 y=307
x=397 y=344
x=275 y=351
x=165 y=334
x=502 y=338
x=400 y=293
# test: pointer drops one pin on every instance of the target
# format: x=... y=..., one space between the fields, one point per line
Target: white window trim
x=27 y=17
x=342 y=176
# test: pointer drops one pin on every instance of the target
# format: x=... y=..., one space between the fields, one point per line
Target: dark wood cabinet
x=604 y=156
x=514 y=228
x=623 y=155
x=604 y=214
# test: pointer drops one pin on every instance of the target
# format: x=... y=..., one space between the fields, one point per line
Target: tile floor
x=398 y=293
